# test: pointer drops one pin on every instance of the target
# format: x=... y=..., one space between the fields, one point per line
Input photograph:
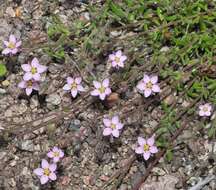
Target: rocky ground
x=32 y=125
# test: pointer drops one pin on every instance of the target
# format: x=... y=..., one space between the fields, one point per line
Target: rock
x=169 y=99
x=10 y=12
x=5 y=29
x=164 y=49
x=6 y=83
x=53 y=99
x=107 y=170
x=2 y=91
x=26 y=145
x=123 y=187
x=75 y=125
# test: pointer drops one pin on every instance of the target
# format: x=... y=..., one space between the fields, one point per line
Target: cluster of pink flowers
x=32 y=76
x=47 y=171
x=11 y=47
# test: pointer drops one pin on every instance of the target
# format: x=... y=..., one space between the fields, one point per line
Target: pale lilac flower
x=33 y=70
x=148 y=85
x=56 y=153
x=46 y=172
x=146 y=147
x=74 y=85
x=29 y=86
x=205 y=110
x=117 y=59
x=101 y=89
x=11 y=46
x=112 y=126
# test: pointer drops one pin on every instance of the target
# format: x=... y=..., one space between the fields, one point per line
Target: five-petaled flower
x=11 y=46
x=117 y=59
x=205 y=110
x=74 y=85
x=33 y=70
x=46 y=172
x=56 y=153
x=146 y=147
x=101 y=89
x=29 y=86
x=148 y=85
x=112 y=126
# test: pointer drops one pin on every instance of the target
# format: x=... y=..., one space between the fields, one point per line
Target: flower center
x=113 y=126
x=33 y=70
x=11 y=45
x=56 y=154
x=101 y=89
x=149 y=85
x=205 y=109
x=117 y=59
x=46 y=171
x=73 y=85
x=146 y=147
x=29 y=83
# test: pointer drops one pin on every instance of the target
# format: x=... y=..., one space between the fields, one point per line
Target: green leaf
x=3 y=70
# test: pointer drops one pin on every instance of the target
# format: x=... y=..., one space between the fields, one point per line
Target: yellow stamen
x=56 y=154
x=29 y=83
x=146 y=147
x=149 y=85
x=33 y=70
x=11 y=45
x=73 y=85
x=113 y=126
x=46 y=171
x=117 y=59
x=101 y=89
x=205 y=108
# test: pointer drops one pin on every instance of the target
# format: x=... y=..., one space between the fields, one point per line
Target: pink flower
x=56 y=153
x=112 y=126
x=205 y=110
x=146 y=147
x=101 y=89
x=29 y=86
x=117 y=59
x=33 y=70
x=74 y=85
x=11 y=46
x=46 y=172
x=148 y=85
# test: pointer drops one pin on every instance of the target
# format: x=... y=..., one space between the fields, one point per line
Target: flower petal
x=78 y=80
x=114 y=64
x=27 y=76
x=139 y=150
x=141 y=141
x=102 y=96
x=44 y=179
x=153 y=149
x=44 y=164
x=6 y=51
x=35 y=86
x=115 y=133
x=201 y=113
x=70 y=80
x=115 y=119
x=141 y=86
x=74 y=92
x=52 y=167
x=38 y=171
x=147 y=92
x=123 y=58
x=52 y=176
x=150 y=141
x=50 y=154
x=107 y=131
x=36 y=76
x=155 y=88
x=18 y=44
x=119 y=126
x=96 y=84
x=108 y=91
x=12 y=39
x=95 y=92
x=55 y=159
x=146 y=155
x=26 y=67
x=80 y=88
x=146 y=78
x=105 y=82
x=41 y=68
x=119 y=53
x=22 y=84
x=208 y=113
x=107 y=122
x=28 y=91
x=35 y=62
x=14 y=51
x=6 y=43
x=154 y=79
x=112 y=57
x=66 y=87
